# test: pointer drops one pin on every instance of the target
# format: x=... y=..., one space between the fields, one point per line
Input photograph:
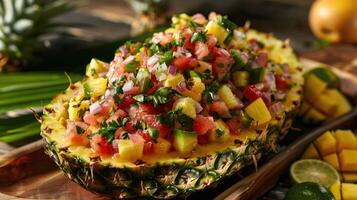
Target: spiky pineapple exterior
x=22 y=22
x=171 y=177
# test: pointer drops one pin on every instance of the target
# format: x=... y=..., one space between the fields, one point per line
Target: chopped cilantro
x=210 y=90
x=80 y=130
x=198 y=37
x=168 y=56
x=219 y=132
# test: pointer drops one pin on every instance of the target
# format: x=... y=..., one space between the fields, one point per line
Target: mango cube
x=258 y=111
x=349 y=177
x=313 y=88
x=314 y=116
x=332 y=159
x=344 y=105
x=349 y=191
x=187 y=106
x=217 y=30
x=130 y=151
x=345 y=140
x=348 y=160
x=311 y=153
x=326 y=144
x=173 y=80
x=336 y=191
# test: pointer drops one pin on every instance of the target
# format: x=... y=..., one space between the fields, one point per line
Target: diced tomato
x=202 y=139
x=151 y=121
x=251 y=93
x=129 y=126
x=152 y=89
x=266 y=98
x=133 y=91
x=101 y=146
x=127 y=101
x=234 y=126
x=184 y=63
x=222 y=62
x=262 y=59
x=90 y=118
x=188 y=44
x=147 y=108
x=144 y=134
x=148 y=147
x=74 y=137
x=117 y=115
x=202 y=124
x=281 y=83
x=220 y=108
x=201 y=50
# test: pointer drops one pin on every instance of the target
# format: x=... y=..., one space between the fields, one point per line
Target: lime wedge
x=310 y=170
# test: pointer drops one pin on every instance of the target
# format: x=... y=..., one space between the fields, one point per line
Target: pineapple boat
x=177 y=113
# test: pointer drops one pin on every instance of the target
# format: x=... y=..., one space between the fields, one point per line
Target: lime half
x=310 y=170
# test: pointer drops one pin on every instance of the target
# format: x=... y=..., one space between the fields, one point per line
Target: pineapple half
x=168 y=175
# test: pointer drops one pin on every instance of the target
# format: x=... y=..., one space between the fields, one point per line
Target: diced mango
x=349 y=191
x=311 y=153
x=162 y=146
x=198 y=87
x=217 y=30
x=130 y=151
x=203 y=67
x=77 y=109
x=326 y=144
x=348 y=160
x=220 y=133
x=349 y=177
x=345 y=140
x=258 y=111
x=187 y=106
x=332 y=159
x=227 y=96
x=173 y=80
x=344 y=105
x=95 y=87
x=336 y=191
x=313 y=88
x=95 y=67
x=314 y=116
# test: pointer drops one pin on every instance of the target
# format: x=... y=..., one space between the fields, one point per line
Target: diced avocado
x=240 y=78
x=130 y=151
x=344 y=105
x=153 y=132
x=311 y=153
x=187 y=106
x=162 y=146
x=95 y=87
x=257 y=75
x=326 y=144
x=220 y=133
x=95 y=67
x=76 y=109
x=313 y=88
x=217 y=30
x=258 y=111
x=143 y=78
x=227 y=96
x=173 y=80
x=184 y=141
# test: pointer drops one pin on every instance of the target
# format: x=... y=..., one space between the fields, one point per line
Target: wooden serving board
x=27 y=173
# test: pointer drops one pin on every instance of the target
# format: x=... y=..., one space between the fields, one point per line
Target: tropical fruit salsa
x=198 y=87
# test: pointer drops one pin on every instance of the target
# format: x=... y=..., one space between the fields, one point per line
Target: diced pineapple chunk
x=343 y=105
x=349 y=191
x=326 y=144
x=313 y=116
x=335 y=190
x=130 y=151
x=173 y=80
x=220 y=133
x=258 y=111
x=204 y=67
x=217 y=30
x=187 y=106
x=349 y=177
x=247 y=134
x=226 y=94
x=348 y=160
x=311 y=153
x=95 y=87
x=76 y=109
x=332 y=159
x=95 y=67
x=197 y=87
x=162 y=146
x=313 y=87
x=345 y=140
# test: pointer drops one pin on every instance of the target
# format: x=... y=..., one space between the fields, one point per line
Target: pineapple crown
x=22 y=22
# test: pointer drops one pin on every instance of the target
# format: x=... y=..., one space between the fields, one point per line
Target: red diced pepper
x=251 y=93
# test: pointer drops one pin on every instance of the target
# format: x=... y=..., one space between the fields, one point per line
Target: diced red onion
x=128 y=60
x=152 y=60
x=198 y=107
x=95 y=108
x=115 y=143
x=244 y=56
x=172 y=70
x=259 y=86
x=128 y=86
x=123 y=50
x=270 y=80
x=279 y=96
x=276 y=107
x=181 y=86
